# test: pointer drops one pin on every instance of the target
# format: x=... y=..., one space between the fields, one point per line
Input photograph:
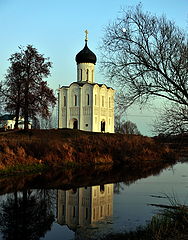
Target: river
x=87 y=211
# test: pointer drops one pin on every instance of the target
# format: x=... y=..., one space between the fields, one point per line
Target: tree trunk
x=18 y=106
x=26 y=104
x=17 y=115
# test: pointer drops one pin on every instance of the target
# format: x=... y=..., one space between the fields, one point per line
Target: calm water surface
x=89 y=212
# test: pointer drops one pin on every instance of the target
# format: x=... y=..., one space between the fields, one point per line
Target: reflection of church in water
x=84 y=104
x=84 y=206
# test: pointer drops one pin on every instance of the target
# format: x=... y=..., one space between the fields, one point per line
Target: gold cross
x=86 y=32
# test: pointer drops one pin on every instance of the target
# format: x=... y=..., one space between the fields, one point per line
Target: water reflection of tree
x=25 y=216
x=118 y=188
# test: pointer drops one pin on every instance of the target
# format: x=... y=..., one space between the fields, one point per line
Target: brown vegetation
x=59 y=147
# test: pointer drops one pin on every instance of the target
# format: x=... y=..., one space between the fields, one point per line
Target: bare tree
x=146 y=56
x=172 y=119
x=125 y=127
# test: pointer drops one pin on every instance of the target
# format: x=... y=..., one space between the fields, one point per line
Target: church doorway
x=102 y=126
x=74 y=123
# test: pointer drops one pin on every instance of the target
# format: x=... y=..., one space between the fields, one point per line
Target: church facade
x=84 y=104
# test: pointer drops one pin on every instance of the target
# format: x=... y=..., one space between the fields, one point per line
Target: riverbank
x=170 y=224
x=46 y=149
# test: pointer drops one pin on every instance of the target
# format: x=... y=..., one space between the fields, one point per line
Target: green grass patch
x=21 y=169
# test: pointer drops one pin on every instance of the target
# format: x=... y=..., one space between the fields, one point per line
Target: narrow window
x=86 y=213
x=75 y=100
x=95 y=99
x=92 y=75
x=74 y=212
x=102 y=101
x=63 y=210
x=109 y=102
x=101 y=211
x=108 y=210
x=88 y=99
x=94 y=213
x=81 y=74
x=95 y=193
x=64 y=100
x=87 y=75
x=101 y=188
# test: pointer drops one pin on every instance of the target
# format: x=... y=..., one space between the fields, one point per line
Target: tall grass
x=171 y=223
x=58 y=147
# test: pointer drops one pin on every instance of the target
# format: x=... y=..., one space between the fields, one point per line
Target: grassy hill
x=55 y=148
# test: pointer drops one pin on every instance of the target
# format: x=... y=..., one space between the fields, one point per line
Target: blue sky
x=56 y=28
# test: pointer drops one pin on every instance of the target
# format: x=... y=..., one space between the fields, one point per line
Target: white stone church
x=85 y=104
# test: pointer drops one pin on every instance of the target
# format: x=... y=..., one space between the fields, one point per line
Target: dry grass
x=169 y=224
x=58 y=147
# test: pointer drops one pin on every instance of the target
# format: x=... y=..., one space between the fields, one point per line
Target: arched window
x=101 y=212
x=78 y=74
x=87 y=75
x=86 y=213
x=102 y=101
x=74 y=212
x=93 y=213
x=64 y=101
x=102 y=188
x=75 y=100
x=88 y=99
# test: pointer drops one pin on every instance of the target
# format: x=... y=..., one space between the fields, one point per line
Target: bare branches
x=172 y=119
x=146 y=55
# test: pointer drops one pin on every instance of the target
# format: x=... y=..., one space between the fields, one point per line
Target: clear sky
x=56 y=28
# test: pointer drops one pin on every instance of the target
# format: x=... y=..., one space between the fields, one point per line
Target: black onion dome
x=86 y=56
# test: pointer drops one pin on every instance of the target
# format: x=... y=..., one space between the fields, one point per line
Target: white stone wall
x=85 y=72
x=103 y=108
x=102 y=202
x=89 y=105
x=62 y=107
x=73 y=105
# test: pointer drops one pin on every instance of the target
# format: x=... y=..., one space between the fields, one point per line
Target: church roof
x=81 y=84
x=86 y=55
